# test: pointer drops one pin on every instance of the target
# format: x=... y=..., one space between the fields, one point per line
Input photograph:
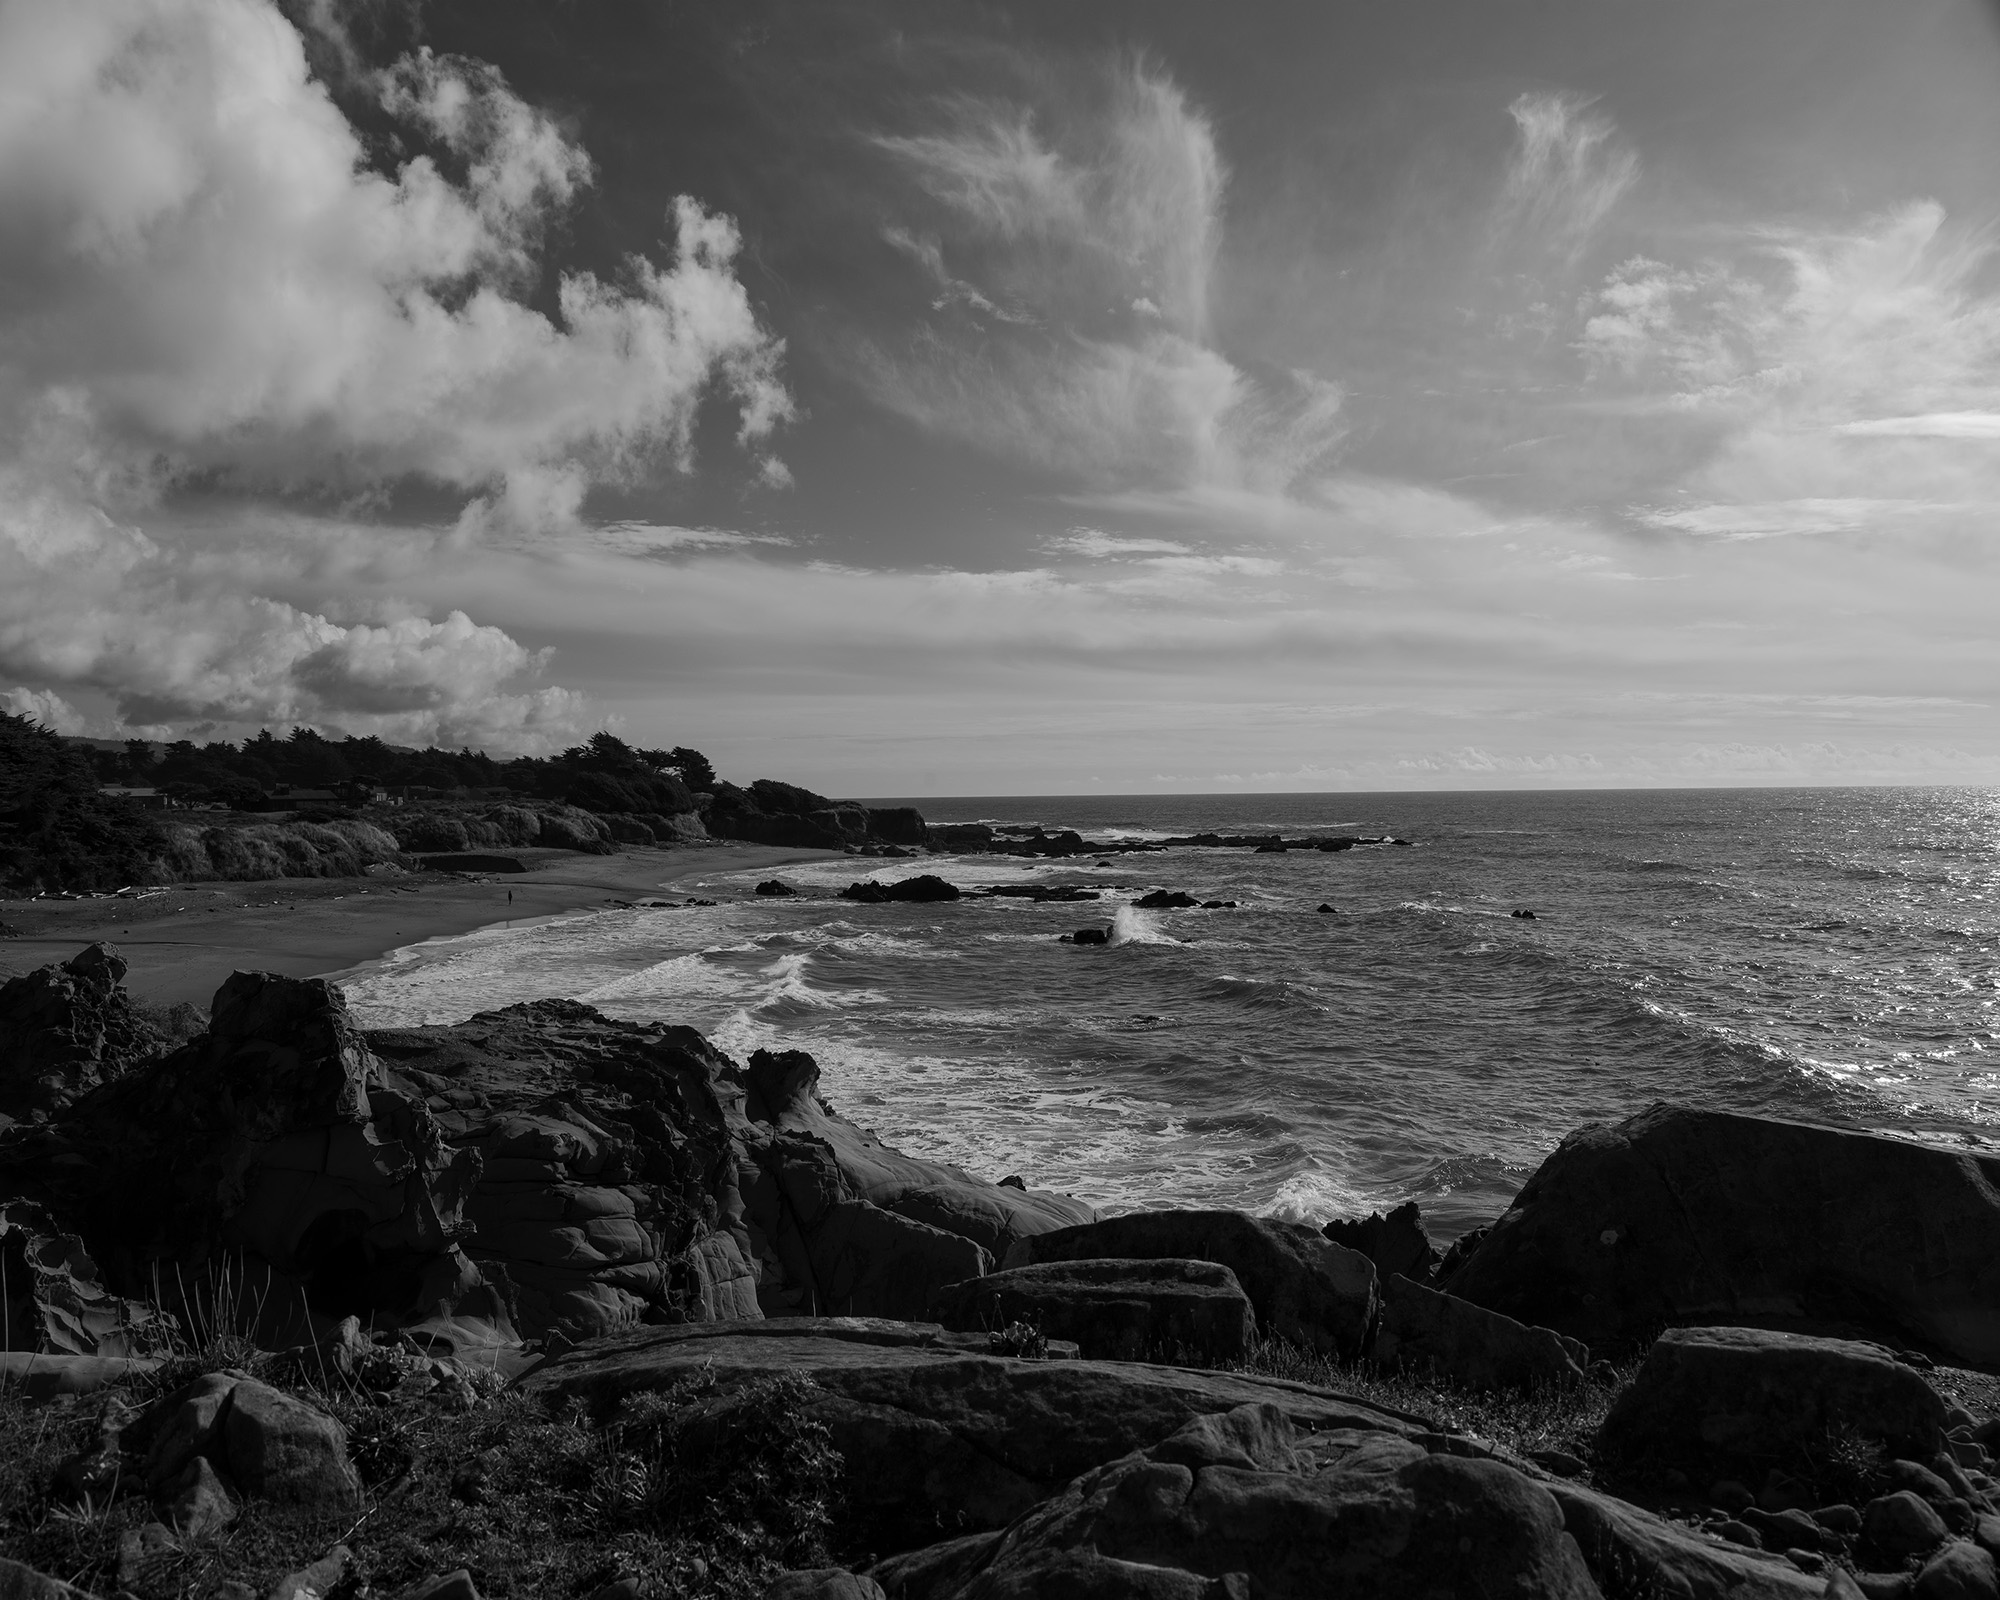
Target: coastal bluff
x=284 y=1250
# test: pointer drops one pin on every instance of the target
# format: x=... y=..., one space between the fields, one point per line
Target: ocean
x=1827 y=955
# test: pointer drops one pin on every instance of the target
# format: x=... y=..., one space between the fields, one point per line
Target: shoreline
x=182 y=944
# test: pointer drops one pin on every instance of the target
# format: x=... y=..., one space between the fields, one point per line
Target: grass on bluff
x=704 y=1493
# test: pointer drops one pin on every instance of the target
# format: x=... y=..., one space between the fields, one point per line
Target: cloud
x=212 y=280
x=1084 y=235
x=1098 y=545
x=1567 y=172
x=46 y=707
x=1938 y=425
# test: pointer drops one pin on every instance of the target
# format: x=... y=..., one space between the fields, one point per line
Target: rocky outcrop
x=1396 y=1243
x=1112 y=1310
x=939 y=1440
x=53 y=1302
x=1231 y=1505
x=1735 y=1402
x=68 y=1029
x=1679 y=1216
x=227 y=1436
x=1426 y=1331
x=1304 y=1287
x=535 y=1170
x=854 y=1228
x=923 y=889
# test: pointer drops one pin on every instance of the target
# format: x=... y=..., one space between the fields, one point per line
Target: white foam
x=1130 y=925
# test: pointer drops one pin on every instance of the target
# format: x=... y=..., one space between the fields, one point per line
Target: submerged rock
x=1680 y=1215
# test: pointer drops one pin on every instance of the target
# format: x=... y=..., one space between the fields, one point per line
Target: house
x=146 y=799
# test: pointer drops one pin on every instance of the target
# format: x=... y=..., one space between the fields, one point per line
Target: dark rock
x=823 y=1583
x=899 y=825
x=1323 y=906
x=1919 y=1480
x=319 y=1579
x=922 y=889
x=964 y=838
x=1390 y=1519
x=69 y=1028
x=1218 y=905
x=1901 y=1524
x=1730 y=1495
x=1456 y=1254
x=199 y=1502
x=1304 y=1287
x=270 y=1445
x=1785 y=1530
x=1166 y=900
x=1396 y=1243
x=1560 y=1462
x=810 y=1181
x=451 y=1586
x=1959 y=1571
x=1679 y=1215
x=1632 y=1553
x=937 y=1569
x=1525 y=916
x=1738 y=1399
x=1738 y=1533
x=774 y=888
x=19 y=1581
x=1091 y=936
x=1842 y=1519
x=1113 y=1310
x=1426 y=1330
x=54 y=1302
x=939 y=1440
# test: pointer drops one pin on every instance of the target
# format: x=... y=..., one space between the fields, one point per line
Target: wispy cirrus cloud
x=1081 y=242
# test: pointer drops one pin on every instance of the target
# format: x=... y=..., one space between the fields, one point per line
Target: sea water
x=1826 y=955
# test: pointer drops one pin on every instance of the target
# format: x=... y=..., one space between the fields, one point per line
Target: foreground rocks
x=1112 y=1310
x=1679 y=1215
x=1303 y=1287
x=939 y=1438
x=67 y=1029
x=1427 y=1331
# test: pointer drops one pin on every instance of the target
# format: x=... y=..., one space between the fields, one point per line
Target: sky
x=947 y=398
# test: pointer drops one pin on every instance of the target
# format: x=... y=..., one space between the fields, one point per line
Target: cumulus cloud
x=209 y=276
x=46 y=707
x=1074 y=328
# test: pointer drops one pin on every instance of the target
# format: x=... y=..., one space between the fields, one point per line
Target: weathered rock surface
x=1304 y=1287
x=53 y=1301
x=539 y=1169
x=260 y=1442
x=823 y=1583
x=21 y=1582
x=939 y=1440
x=1733 y=1402
x=1397 y=1242
x=1678 y=1216
x=65 y=1029
x=1112 y=1310
x=1428 y=1331
x=1223 y=1507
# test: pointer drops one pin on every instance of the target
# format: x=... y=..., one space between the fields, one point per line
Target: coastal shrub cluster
x=560 y=827
x=706 y=1493
x=335 y=849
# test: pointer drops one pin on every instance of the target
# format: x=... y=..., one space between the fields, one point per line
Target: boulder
x=1680 y=1216
x=1091 y=936
x=19 y=1581
x=1222 y=1507
x=1303 y=1287
x=925 y=888
x=1631 y=1552
x=69 y=1028
x=801 y=1165
x=1396 y=1243
x=1900 y=1524
x=775 y=888
x=823 y=1583
x=1425 y=1330
x=1735 y=1402
x=1959 y=1571
x=1112 y=1310
x=267 y=1444
x=940 y=1440
x=1166 y=900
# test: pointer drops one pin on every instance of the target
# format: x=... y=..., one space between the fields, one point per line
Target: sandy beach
x=183 y=943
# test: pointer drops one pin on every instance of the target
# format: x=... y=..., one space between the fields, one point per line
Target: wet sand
x=183 y=943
